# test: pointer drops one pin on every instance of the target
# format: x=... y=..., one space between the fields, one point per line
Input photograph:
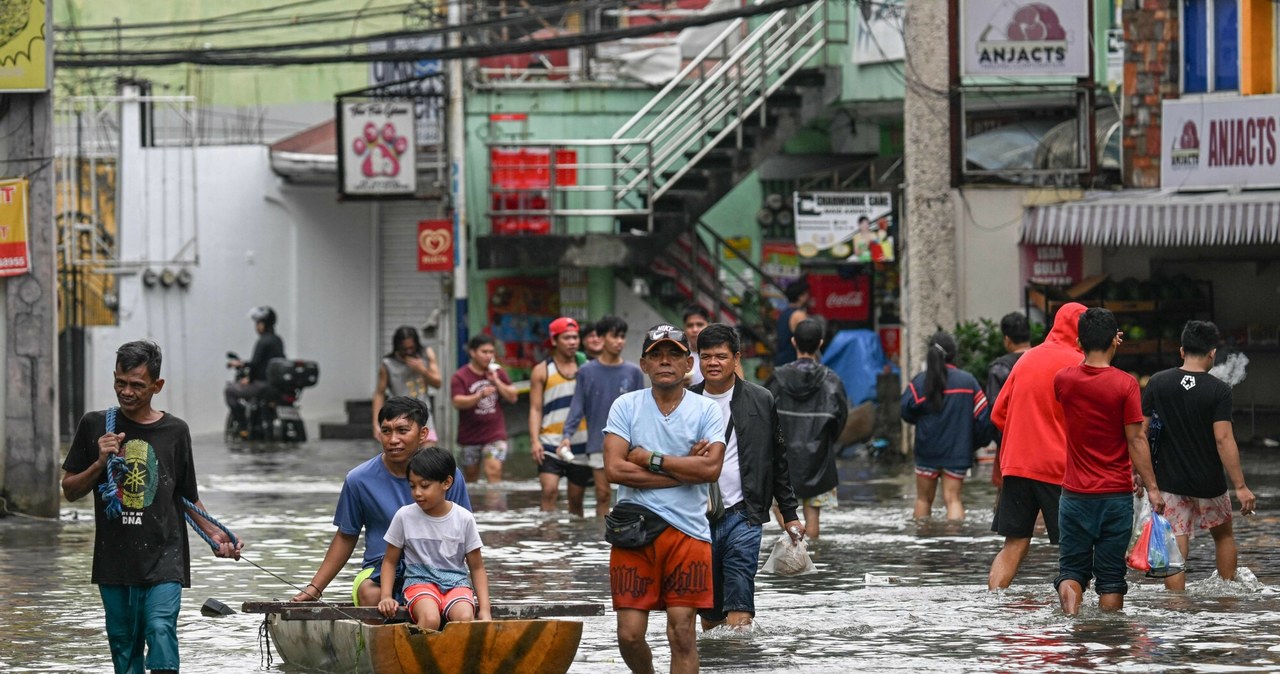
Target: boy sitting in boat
x=371 y=495
x=441 y=549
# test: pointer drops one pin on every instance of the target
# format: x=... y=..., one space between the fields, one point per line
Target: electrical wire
x=251 y=55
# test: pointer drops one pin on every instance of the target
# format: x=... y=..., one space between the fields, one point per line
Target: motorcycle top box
x=284 y=374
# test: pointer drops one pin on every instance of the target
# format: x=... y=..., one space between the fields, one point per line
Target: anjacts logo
x=1034 y=36
x=1185 y=153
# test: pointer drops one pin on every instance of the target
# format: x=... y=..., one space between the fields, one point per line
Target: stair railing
x=730 y=82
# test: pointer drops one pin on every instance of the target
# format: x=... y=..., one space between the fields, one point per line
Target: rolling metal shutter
x=407 y=296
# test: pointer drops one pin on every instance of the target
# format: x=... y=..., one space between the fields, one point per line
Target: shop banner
x=1020 y=38
x=841 y=299
x=1226 y=142
x=376 y=148
x=24 y=65
x=879 y=38
x=423 y=78
x=435 y=245
x=1052 y=265
x=15 y=256
x=845 y=226
x=779 y=260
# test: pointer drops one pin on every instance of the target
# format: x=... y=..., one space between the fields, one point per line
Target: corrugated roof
x=1155 y=218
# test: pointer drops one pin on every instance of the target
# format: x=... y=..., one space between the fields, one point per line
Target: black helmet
x=264 y=314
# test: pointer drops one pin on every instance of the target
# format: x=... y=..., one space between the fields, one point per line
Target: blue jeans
x=1094 y=537
x=139 y=616
x=735 y=556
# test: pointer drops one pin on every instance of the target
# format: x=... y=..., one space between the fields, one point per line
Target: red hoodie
x=1034 y=443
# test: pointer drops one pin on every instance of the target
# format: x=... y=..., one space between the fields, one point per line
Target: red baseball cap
x=562 y=325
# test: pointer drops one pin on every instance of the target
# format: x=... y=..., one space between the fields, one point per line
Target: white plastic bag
x=789 y=558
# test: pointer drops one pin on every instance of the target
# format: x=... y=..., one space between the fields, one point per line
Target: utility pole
x=29 y=470
x=929 y=223
x=455 y=122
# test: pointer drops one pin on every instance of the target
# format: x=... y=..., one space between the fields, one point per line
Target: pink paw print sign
x=377 y=148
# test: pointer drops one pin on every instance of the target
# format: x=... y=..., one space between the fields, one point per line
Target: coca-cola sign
x=841 y=299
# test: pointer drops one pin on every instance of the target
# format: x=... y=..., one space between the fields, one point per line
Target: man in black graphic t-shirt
x=140 y=556
x=1188 y=415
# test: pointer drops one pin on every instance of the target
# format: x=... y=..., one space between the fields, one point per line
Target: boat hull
x=480 y=647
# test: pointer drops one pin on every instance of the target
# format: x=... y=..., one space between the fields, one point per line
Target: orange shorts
x=683 y=564
x=444 y=601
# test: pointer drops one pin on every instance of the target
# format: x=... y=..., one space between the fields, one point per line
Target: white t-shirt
x=435 y=548
x=696 y=372
x=730 y=475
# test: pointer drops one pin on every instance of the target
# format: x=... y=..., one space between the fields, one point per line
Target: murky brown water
x=938 y=617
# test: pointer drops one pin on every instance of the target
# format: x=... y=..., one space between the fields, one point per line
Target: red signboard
x=435 y=245
x=1052 y=265
x=840 y=299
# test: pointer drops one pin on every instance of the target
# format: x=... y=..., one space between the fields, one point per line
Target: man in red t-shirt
x=482 y=431
x=1105 y=443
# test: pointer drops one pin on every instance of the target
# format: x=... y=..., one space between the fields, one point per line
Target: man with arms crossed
x=551 y=386
x=662 y=446
x=1033 y=445
x=754 y=473
x=1195 y=442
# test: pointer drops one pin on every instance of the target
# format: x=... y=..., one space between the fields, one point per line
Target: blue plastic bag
x=1163 y=556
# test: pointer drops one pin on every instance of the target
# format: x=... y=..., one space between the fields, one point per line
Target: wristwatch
x=655 y=462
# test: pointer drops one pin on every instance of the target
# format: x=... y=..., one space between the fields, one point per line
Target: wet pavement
x=889 y=595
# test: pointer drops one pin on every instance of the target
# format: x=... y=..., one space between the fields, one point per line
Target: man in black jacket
x=753 y=475
x=812 y=408
x=268 y=346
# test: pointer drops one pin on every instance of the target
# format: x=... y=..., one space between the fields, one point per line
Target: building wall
x=1150 y=76
x=260 y=242
x=987 y=251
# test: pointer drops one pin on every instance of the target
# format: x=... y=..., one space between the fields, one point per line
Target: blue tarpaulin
x=857 y=357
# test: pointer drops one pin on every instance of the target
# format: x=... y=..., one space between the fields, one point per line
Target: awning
x=1156 y=218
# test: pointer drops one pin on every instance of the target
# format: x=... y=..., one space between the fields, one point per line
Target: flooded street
x=937 y=616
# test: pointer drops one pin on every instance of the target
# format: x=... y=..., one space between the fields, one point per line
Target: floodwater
x=936 y=616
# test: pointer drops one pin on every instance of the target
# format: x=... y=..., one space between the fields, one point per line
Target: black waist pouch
x=631 y=525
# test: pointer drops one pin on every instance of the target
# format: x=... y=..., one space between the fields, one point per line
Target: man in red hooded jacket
x=1033 y=449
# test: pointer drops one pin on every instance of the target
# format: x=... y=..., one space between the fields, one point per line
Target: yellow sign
x=738 y=245
x=15 y=258
x=23 y=46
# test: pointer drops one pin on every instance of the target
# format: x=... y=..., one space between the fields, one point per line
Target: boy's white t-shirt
x=434 y=548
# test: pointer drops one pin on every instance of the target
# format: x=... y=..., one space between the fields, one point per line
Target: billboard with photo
x=845 y=226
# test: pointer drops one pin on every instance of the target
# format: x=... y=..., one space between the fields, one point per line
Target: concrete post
x=30 y=478
x=929 y=262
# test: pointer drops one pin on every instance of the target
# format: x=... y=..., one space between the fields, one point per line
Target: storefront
x=1159 y=258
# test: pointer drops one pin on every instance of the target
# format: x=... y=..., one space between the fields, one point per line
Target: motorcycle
x=273 y=416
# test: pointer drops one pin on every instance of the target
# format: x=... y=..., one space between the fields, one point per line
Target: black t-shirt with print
x=1186 y=453
x=147 y=544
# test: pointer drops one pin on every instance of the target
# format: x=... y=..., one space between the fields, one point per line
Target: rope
x=110 y=489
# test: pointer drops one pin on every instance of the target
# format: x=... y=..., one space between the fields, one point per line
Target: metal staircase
x=735 y=104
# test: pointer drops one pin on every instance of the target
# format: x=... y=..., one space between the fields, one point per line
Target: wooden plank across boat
x=335 y=638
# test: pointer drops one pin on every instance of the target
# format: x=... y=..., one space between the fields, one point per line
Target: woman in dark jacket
x=952 y=420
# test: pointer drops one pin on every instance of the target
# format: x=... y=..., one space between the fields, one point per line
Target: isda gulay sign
x=1220 y=143
x=1019 y=38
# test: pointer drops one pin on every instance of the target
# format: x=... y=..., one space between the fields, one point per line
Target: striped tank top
x=556 y=398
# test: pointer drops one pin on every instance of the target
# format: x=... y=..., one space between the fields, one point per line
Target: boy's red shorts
x=683 y=564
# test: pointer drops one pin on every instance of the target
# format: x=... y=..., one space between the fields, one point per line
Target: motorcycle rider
x=255 y=386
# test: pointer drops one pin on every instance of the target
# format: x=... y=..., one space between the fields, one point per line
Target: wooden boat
x=336 y=638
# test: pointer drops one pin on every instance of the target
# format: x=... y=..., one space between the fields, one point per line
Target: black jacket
x=813 y=408
x=762 y=452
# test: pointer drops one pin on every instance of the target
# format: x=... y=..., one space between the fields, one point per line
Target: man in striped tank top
x=551 y=387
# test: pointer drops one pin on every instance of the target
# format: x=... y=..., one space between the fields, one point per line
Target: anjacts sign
x=1017 y=38
x=1220 y=143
